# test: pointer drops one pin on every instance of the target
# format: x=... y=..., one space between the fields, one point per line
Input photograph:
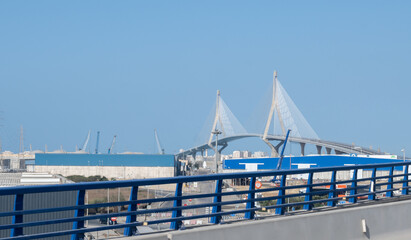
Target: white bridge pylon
x=283 y=115
x=284 y=112
x=225 y=121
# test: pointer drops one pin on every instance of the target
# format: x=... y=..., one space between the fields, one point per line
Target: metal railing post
x=281 y=194
x=390 y=185
x=354 y=184
x=217 y=199
x=79 y=213
x=251 y=196
x=405 y=183
x=308 y=197
x=371 y=196
x=130 y=231
x=175 y=225
x=332 y=194
x=18 y=206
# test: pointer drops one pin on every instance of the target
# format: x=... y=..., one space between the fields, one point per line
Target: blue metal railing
x=307 y=195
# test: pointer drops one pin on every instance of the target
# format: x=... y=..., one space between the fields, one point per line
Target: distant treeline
x=79 y=178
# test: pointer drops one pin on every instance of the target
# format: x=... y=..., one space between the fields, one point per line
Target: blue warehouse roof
x=137 y=160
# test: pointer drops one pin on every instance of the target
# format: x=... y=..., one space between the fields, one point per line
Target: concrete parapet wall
x=109 y=171
x=383 y=221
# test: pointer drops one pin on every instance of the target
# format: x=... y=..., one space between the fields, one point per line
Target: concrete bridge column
x=222 y=148
x=302 y=145
x=277 y=147
x=274 y=152
x=328 y=150
x=338 y=152
x=319 y=149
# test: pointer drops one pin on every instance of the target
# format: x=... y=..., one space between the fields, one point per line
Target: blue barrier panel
x=368 y=188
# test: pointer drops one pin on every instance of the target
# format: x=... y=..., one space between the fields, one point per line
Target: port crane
x=160 y=149
x=86 y=141
x=112 y=144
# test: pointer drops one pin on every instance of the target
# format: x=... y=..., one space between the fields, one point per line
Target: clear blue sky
x=127 y=67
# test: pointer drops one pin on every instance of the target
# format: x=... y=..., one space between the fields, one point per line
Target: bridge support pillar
x=328 y=150
x=338 y=152
x=274 y=151
x=302 y=145
x=277 y=147
x=222 y=148
x=319 y=149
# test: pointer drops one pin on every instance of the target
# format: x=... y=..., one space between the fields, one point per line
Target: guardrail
x=385 y=181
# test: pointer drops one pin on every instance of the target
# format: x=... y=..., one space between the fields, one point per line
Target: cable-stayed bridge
x=333 y=207
x=282 y=115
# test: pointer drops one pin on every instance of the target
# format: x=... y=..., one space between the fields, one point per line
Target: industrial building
x=314 y=161
x=15 y=161
x=118 y=166
x=36 y=201
x=292 y=162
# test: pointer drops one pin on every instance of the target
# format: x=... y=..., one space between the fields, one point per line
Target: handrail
x=307 y=195
x=182 y=179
